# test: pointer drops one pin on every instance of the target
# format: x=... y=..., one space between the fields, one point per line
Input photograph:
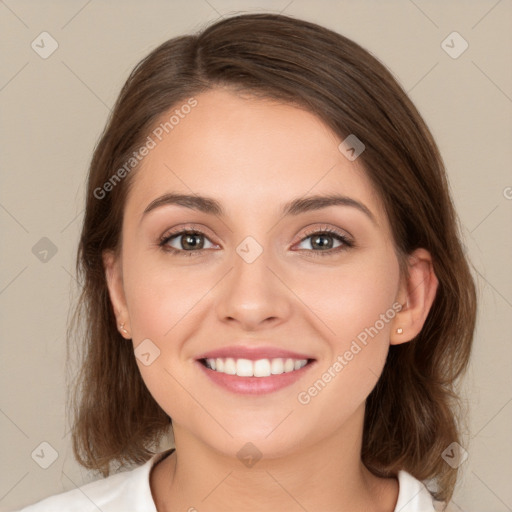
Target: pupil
x=326 y=238
x=189 y=242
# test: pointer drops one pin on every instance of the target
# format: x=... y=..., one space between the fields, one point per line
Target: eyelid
x=203 y=230
x=325 y=228
x=182 y=228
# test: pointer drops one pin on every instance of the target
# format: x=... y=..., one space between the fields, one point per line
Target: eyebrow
x=295 y=207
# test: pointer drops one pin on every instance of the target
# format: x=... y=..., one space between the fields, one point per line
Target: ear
x=114 y=278
x=417 y=293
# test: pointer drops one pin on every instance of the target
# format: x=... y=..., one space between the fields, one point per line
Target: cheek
x=351 y=298
x=159 y=295
x=161 y=305
x=153 y=311
x=355 y=309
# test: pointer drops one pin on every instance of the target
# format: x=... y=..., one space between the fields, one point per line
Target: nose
x=253 y=295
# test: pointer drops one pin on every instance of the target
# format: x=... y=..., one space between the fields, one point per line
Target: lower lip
x=254 y=385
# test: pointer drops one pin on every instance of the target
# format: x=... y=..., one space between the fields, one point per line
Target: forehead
x=249 y=153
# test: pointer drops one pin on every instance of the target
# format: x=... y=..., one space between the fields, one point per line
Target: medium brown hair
x=411 y=415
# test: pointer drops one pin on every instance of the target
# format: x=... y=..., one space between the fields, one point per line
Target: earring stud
x=122 y=328
x=399 y=330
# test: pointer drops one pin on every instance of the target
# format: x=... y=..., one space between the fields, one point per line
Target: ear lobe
x=417 y=292
x=114 y=278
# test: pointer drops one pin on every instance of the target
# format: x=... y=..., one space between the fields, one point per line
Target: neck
x=326 y=475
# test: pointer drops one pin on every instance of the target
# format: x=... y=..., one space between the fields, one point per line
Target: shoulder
x=128 y=490
x=413 y=496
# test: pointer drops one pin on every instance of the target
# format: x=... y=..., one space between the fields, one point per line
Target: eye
x=185 y=242
x=192 y=242
x=322 y=242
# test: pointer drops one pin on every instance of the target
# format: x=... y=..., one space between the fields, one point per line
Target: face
x=320 y=282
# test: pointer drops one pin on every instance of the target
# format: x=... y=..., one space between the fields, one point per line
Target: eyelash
x=346 y=243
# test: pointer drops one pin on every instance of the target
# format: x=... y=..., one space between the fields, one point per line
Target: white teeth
x=289 y=365
x=244 y=368
x=276 y=366
x=230 y=366
x=259 y=368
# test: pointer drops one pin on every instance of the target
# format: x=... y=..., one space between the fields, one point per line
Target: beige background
x=54 y=109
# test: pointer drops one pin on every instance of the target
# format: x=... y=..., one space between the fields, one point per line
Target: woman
x=272 y=268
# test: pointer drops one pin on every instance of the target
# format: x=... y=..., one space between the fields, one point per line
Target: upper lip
x=253 y=353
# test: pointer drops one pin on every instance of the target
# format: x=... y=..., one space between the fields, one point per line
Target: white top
x=130 y=491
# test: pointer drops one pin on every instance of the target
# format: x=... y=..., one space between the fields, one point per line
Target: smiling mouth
x=258 y=368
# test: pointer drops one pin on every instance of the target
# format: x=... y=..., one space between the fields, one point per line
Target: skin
x=253 y=155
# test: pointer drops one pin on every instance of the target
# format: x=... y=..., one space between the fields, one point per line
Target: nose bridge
x=251 y=265
x=252 y=293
